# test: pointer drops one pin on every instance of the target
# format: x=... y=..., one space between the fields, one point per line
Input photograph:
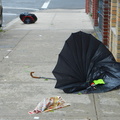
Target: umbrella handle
x=31 y=74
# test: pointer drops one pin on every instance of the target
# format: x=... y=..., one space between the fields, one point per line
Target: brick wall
x=108 y=39
x=118 y=30
x=114 y=44
x=106 y=21
x=105 y=17
x=87 y=6
x=110 y=28
x=92 y=9
x=112 y=24
x=95 y=12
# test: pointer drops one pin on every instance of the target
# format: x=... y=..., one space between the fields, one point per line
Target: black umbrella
x=82 y=60
x=28 y=18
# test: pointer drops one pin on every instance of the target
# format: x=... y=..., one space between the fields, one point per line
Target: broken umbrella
x=82 y=60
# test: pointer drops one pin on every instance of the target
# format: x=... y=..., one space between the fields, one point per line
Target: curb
x=8 y=25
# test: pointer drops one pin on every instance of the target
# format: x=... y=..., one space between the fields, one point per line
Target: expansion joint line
x=95 y=106
x=16 y=45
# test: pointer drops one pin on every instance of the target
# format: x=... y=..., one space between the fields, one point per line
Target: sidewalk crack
x=94 y=101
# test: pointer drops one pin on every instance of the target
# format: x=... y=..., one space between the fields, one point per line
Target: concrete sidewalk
x=35 y=47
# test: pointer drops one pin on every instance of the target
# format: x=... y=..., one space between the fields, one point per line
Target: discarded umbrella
x=82 y=60
x=28 y=18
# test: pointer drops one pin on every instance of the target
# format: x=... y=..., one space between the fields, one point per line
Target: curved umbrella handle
x=31 y=74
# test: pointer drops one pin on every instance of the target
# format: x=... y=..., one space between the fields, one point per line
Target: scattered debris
x=6 y=57
x=36 y=118
x=50 y=104
x=40 y=35
x=9 y=50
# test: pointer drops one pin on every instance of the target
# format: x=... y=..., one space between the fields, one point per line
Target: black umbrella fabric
x=82 y=60
x=28 y=18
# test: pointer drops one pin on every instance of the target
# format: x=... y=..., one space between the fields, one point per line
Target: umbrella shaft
x=48 y=78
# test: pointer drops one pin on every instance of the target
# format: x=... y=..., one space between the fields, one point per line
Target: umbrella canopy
x=28 y=18
x=82 y=60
